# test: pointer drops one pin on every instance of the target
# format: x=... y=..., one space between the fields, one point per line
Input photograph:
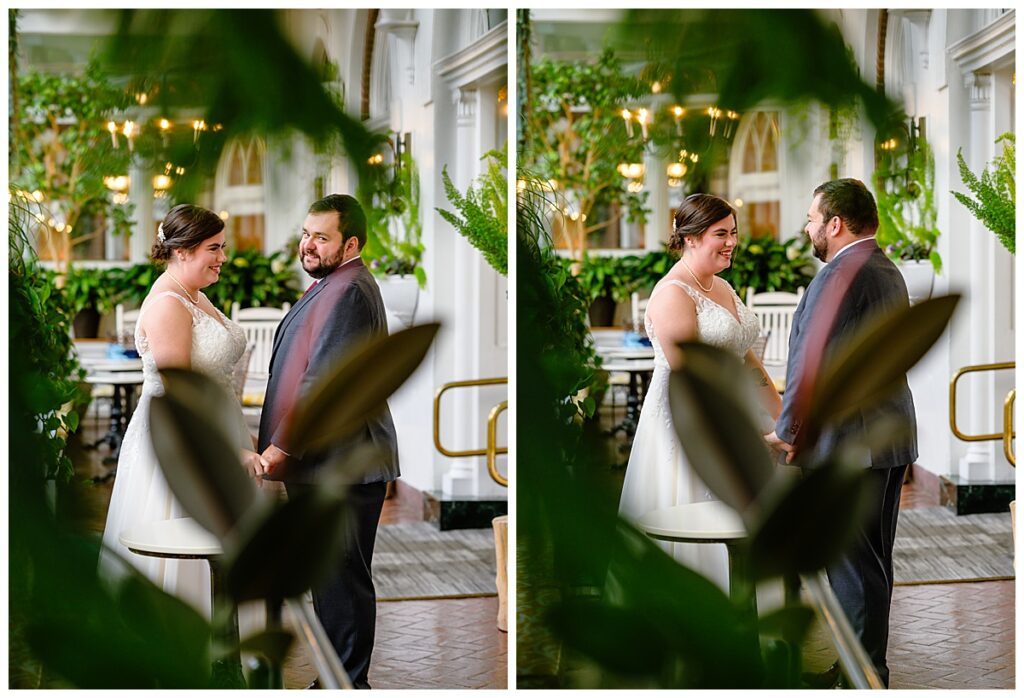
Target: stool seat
x=697 y=522
x=182 y=538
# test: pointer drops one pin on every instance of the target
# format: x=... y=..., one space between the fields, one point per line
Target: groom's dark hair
x=351 y=218
x=852 y=202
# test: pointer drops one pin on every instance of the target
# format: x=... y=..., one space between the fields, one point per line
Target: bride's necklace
x=699 y=284
x=195 y=301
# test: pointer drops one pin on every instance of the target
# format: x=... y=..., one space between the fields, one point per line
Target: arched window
x=240 y=194
x=754 y=169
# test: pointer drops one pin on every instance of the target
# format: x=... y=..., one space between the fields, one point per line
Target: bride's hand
x=252 y=465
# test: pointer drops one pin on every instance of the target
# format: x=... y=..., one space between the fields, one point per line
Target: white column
x=979 y=461
x=140 y=194
x=657 y=228
x=460 y=480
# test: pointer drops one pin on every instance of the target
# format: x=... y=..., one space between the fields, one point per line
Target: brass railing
x=1008 y=427
x=1008 y=434
x=492 y=451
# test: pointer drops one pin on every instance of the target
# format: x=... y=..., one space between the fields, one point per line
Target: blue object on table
x=633 y=340
x=116 y=351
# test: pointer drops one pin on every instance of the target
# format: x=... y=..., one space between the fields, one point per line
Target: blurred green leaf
x=366 y=377
x=272 y=644
x=791 y=624
x=876 y=360
x=618 y=638
x=289 y=550
x=813 y=523
x=711 y=398
x=198 y=450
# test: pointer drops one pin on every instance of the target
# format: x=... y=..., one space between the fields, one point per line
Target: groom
x=841 y=224
x=342 y=308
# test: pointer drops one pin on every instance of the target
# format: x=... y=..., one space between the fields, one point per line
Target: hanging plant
x=904 y=183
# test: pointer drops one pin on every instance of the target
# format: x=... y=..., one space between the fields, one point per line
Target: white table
x=122 y=405
x=706 y=522
x=711 y=522
x=184 y=539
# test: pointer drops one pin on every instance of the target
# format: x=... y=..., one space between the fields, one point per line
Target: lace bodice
x=216 y=346
x=715 y=325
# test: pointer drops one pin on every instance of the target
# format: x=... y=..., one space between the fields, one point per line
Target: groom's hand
x=777 y=445
x=272 y=458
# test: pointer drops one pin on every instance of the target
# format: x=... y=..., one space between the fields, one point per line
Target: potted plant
x=605 y=281
x=905 y=191
x=89 y=296
x=394 y=245
x=995 y=192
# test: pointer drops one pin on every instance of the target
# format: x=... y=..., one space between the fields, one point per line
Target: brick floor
x=942 y=635
x=431 y=644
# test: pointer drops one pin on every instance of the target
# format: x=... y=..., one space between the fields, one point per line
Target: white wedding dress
x=141 y=494
x=658 y=474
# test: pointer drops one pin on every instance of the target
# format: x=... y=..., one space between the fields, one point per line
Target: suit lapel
x=348 y=269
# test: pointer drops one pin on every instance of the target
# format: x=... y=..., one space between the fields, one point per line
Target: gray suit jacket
x=876 y=287
x=341 y=311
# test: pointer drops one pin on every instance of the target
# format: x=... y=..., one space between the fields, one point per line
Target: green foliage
x=763 y=263
x=394 y=196
x=766 y=264
x=234 y=67
x=50 y=378
x=904 y=183
x=995 y=203
x=575 y=135
x=63 y=151
x=252 y=278
x=484 y=209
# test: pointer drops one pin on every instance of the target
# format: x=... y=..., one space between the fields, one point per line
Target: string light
x=628 y=116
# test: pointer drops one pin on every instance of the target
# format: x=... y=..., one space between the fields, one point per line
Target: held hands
x=253 y=464
x=778 y=447
x=272 y=458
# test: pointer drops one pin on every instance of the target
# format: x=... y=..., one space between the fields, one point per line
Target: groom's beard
x=819 y=245
x=319 y=267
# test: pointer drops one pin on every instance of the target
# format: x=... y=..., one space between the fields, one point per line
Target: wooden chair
x=775 y=311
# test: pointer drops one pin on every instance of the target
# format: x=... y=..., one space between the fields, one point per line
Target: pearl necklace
x=699 y=284
x=195 y=301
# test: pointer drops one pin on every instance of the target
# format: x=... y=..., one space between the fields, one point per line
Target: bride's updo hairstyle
x=185 y=227
x=695 y=215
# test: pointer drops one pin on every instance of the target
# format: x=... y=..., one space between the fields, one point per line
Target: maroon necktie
x=309 y=289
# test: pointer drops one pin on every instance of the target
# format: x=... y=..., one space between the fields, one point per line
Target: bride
x=690 y=304
x=178 y=327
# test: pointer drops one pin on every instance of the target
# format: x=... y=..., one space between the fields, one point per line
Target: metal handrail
x=853 y=658
x=328 y=667
x=492 y=443
x=952 y=400
x=1008 y=427
x=437 y=416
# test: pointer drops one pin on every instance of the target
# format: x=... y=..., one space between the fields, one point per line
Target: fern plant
x=995 y=191
x=484 y=210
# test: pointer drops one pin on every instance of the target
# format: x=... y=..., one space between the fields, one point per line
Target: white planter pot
x=920 y=278
x=401 y=296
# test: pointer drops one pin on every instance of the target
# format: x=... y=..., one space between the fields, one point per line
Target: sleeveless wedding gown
x=658 y=474
x=141 y=494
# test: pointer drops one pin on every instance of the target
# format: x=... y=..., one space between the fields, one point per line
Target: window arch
x=239 y=193
x=755 y=173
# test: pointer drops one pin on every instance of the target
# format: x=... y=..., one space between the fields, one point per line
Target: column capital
x=979 y=86
x=465 y=100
